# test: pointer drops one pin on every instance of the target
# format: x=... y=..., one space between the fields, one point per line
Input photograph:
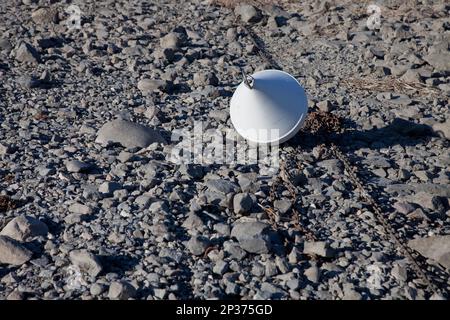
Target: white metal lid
x=269 y=109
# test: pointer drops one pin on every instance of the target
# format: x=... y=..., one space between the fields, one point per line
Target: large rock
x=248 y=13
x=26 y=53
x=318 y=248
x=435 y=247
x=440 y=61
x=20 y=228
x=173 y=40
x=128 y=134
x=12 y=252
x=86 y=262
x=148 y=86
x=45 y=16
x=254 y=237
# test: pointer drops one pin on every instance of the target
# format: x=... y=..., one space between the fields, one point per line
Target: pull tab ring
x=249 y=81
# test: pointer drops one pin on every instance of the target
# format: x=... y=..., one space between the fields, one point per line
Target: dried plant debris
x=322 y=122
x=390 y=83
x=6 y=203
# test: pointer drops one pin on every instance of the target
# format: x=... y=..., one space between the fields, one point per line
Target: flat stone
x=109 y=187
x=128 y=134
x=23 y=227
x=12 y=252
x=149 y=86
x=440 y=61
x=77 y=166
x=80 y=208
x=319 y=248
x=86 y=261
x=45 y=16
x=434 y=247
x=254 y=237
x=222 y=186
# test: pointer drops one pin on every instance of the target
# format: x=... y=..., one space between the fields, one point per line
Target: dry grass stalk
x=390 y=84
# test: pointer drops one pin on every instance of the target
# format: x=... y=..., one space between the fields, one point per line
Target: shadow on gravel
x=118 y=263
x=398 y=132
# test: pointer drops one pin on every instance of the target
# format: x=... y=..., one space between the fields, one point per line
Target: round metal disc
x=271 y=110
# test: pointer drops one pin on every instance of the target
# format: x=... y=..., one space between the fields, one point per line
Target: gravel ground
x=92 y=207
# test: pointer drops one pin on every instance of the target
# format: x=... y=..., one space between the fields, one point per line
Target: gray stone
x=128 y=134
x=440 y=61
x=222 y=186
x=234 y=250
x=80 y=208
x=271 y=291
x=248 y=13
x=26 y=53
x=86 y=262
x=121 y=290
x=220 y=267
x=319 y=248
x=12 y=252
x=109 y=187
x=312 y=274
x=242 y=203
x=434 y=247
x=282 y=205
x=45 y=16
x=4 y=149
x=253 y=237
x=77 y=166
x=334 y=166
x=197 y=245
x=149 y=86
x=205 y=78
x=193 y=222
x=324 y=105
x=172 y=40
x=28 y=82
x=97 y=289
x=23 y=227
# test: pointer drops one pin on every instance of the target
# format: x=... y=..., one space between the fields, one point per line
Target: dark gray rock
x=242 y=203
x=254 y=237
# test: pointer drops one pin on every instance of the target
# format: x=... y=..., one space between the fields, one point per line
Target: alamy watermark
x=374 y=20
x=74 y=19
x=207 y=146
